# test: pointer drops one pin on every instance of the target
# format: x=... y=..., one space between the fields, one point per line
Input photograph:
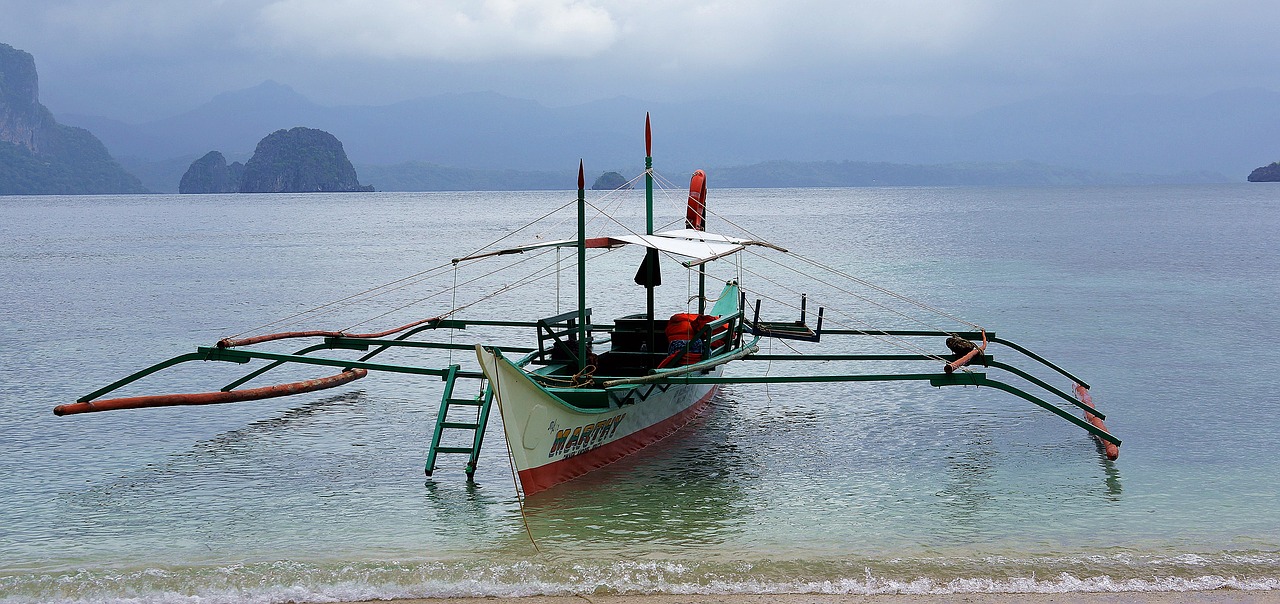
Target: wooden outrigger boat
x=569 y=406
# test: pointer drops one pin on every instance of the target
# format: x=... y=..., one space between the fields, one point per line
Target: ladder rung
x=453 y=449
x=464 y=425
x=465 y=401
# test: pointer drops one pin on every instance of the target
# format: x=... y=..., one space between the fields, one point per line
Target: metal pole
x=651 y=261
x=582 y=269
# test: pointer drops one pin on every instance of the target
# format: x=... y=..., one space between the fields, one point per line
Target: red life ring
x=696 y=216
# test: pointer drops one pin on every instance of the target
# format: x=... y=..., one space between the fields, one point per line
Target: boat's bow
x=552 y=439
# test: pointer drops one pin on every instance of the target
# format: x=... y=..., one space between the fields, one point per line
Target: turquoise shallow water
x=1162 y=297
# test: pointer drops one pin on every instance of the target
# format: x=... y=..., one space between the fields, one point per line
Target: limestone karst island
x=1268 y=173
x=298 y=160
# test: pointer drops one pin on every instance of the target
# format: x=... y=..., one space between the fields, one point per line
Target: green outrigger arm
x=234 y=355
x=353 y=369
x=935 y=379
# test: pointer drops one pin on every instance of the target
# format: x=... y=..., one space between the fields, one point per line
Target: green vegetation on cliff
x=39 y=156
x=299 y=160
x=211 y=174
x=609 y=181
x=80 y=166
x=1268 y=173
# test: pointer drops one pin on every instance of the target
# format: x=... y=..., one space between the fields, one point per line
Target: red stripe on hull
x=549 y=475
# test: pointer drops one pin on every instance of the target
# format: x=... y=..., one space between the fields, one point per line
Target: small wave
x=288 y=581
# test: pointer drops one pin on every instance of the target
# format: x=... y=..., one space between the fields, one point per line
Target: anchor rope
x=511 y=462
x=585 y=377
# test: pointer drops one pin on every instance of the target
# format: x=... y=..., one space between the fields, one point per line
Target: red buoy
x=695 y=216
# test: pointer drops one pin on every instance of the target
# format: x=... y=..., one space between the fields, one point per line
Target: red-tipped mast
x=582 y=269
x=648 y=136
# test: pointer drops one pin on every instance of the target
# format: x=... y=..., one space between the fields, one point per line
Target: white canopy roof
x=700 y=250
x=701 y=247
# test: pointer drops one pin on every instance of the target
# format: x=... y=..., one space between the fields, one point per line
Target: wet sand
x=1220 y=596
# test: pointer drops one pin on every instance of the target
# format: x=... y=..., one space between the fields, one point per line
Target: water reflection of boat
x=587 y=393
x=692 y=490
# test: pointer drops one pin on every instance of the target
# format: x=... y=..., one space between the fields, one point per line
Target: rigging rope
x=858 y=280
x=920 y=304
x=340 y=300
x=601 y=210
x=612 y=193
x=886 y=291
x=371 y=293
x=863 y=326
x=855 y=295
x=879 y=334
x=447 y=290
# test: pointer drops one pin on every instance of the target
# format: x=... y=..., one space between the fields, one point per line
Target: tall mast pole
x=651 y=259
x=582 y=269
x=648 y=176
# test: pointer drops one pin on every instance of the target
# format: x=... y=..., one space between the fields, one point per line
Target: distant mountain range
x=514 y=143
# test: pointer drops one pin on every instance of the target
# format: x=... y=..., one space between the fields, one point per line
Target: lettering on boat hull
x=571 y=441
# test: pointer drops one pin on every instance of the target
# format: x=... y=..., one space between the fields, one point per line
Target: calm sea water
x=1162 y=297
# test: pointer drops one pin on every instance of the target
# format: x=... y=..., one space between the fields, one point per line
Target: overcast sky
x=139 y=60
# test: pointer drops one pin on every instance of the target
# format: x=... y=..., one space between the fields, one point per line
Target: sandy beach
x=1223 y=596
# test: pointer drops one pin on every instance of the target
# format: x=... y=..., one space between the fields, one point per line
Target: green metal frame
x=236 y=355
x=552 y=328
x=934 y=379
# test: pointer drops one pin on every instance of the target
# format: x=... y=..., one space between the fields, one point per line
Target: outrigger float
x=568 y=407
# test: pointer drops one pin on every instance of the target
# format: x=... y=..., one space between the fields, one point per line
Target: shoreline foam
x=1217 y=596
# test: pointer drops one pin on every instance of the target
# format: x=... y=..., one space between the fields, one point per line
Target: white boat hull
x=552 y=441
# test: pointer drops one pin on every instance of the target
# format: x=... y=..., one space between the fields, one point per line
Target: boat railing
x=558 y=338
x=721 y=335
